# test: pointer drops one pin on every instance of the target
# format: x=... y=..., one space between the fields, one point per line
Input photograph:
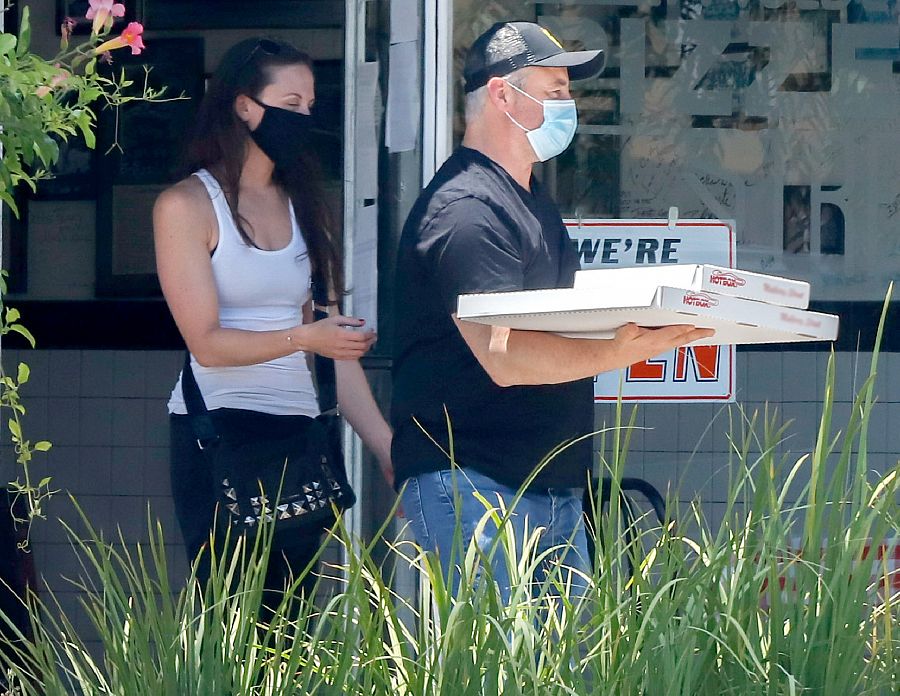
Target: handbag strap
x=201 y=421
x=326 y=384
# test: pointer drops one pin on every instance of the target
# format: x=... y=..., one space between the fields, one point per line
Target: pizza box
x=587 y=313
x=702 y=278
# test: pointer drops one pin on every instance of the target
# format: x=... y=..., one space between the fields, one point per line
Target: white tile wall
x=802 y=420
x=93 y=407
x=722 y=471
x=661 y=423
x=664 y=473
x=889 y=380
x=724 y=415
x=764 y=376
x=892 y=444
x=799 y=372
x=694 y=427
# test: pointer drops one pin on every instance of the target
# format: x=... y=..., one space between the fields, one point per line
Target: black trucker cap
x=524 y=44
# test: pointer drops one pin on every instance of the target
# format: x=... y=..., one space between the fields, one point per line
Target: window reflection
x=781 y=115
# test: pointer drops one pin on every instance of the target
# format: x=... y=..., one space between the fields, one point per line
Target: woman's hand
x=387 y=469
x=337 y=337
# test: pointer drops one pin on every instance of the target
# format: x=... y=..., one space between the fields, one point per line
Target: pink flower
x=130 y=37
x=58 y=79
x=60 y=76
x=103 y=12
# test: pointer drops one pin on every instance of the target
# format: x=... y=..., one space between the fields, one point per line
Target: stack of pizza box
x=741 y=306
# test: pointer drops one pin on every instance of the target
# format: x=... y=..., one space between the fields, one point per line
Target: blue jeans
x=430 y=504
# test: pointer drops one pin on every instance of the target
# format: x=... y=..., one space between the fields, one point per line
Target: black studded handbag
x=281 y=468
x=289 y=469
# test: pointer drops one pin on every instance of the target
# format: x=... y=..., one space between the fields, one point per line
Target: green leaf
x=91 y=67
x=7 y=44
x=47 y=149
x=19 y=329
x=44 y=481
x=12 y=315
x=10 y=201
x=24 y=31
x=24 y=373
x=42 y=446
x=15 y=429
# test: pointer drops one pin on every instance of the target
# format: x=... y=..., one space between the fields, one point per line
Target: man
x=485 y=224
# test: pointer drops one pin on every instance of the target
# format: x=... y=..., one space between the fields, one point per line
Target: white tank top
x=258 y=290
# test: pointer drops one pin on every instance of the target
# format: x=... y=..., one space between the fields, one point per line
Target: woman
x=237 y=243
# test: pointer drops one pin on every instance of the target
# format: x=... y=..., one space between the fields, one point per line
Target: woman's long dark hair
x=219 y=142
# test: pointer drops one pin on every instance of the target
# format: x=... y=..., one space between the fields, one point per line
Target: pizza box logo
x=699 y=299
x=725 y=279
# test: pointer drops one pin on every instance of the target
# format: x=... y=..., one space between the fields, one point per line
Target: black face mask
x=282 y=134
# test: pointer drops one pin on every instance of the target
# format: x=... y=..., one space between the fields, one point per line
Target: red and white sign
x=690 y=374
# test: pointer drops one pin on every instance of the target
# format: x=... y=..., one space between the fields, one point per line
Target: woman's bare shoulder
x=186 y=207
x=188 y=194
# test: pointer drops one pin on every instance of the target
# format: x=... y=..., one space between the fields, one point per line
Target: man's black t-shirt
x=474 y=229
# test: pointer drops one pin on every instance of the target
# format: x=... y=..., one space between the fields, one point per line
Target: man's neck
x=517 y=164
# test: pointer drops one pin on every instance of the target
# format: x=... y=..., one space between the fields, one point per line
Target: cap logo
x=551 y=37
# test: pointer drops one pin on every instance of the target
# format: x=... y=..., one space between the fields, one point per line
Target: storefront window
x=783 y=116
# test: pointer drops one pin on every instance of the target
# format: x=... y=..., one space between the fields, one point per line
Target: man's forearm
x=538 y=357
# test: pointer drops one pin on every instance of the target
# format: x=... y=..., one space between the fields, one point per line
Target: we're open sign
x=698 y=374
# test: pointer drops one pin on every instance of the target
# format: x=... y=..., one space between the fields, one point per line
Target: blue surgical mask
x=555 y=134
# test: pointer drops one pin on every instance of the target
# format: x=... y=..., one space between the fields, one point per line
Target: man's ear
x=498 y=92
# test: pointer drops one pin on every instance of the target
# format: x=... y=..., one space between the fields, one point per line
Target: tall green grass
x=780 y=597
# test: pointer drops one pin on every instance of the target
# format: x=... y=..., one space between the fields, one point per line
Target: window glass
x=783 y=116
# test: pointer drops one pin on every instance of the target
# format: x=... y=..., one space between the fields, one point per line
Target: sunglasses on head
x=265 y=46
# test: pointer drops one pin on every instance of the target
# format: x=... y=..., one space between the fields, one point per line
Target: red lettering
x=647 y=371
x=704 y=358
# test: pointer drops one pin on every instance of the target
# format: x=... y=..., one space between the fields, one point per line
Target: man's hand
x=635 y=343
